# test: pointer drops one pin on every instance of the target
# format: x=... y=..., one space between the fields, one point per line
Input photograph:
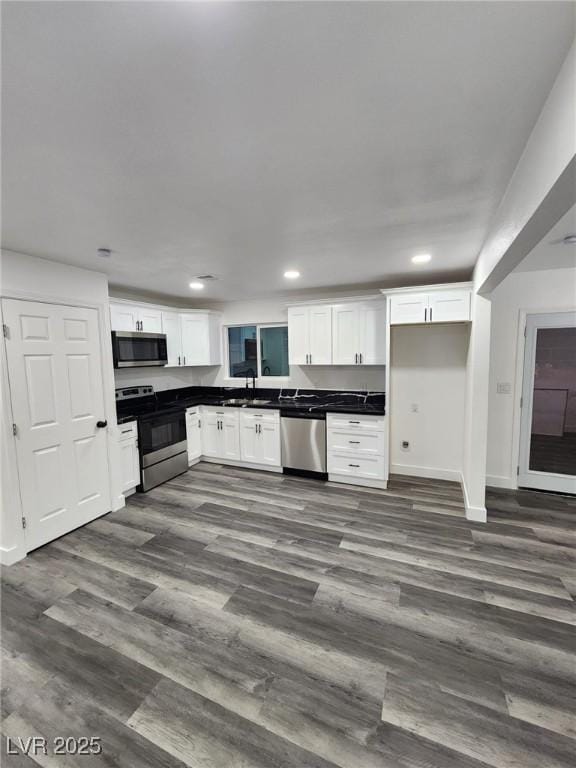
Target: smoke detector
x=105 y=253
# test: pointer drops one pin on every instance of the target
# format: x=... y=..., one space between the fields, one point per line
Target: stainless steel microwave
x=138 y=349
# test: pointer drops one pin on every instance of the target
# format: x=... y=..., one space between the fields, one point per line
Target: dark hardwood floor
x=237 y=619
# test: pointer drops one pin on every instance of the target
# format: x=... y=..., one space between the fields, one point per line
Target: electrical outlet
x=405 y=445
x=503 y=388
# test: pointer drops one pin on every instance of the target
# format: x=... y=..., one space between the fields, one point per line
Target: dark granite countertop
x=286 y=400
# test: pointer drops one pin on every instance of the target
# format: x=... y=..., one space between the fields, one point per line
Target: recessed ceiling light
x=197 y=286
x=421 y=258
x=292 y=274
x=104 y=252
x=569 y=240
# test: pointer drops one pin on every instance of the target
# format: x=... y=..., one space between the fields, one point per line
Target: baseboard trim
x=347 y=480
x=433 y=473
x=12 y=555
x=474 y=514
x=500 y=481
x=242 y=464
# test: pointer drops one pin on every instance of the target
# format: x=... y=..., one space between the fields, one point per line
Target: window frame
x=259 y=377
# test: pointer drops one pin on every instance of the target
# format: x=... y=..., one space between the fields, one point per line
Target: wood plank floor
x=240 y=619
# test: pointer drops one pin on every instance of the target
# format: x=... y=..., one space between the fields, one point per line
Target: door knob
x=101 y=424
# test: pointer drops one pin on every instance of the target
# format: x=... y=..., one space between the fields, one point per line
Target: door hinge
x=517 y=470
x=5 y=331
x=521 y=402
x=525 y=331
x=23 y=522
x=14 y=430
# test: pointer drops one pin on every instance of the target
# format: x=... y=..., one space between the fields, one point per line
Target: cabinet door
x=373 y=333
x=195 y=339
x=269 y=443
x=248 y=439
x=298 y=336
x=211 y=433
x=449 y=306
x=345 y=334
x=123 y=317
x=171 y=327
x=129 y=464
x=214 y=339
x=408 y=308
x=150 y=320
x=193 y=434
x=320 y=335
x=230 y=437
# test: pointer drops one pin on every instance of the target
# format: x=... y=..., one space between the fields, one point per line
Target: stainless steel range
x=161 y=435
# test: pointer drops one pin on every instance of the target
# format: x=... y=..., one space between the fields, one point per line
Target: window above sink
x=259 y=351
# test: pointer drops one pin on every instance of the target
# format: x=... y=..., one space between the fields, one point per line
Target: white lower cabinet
x=356 y=449
x=193 y=434
x=260 y=437
x=128 y=456
x=220 y=433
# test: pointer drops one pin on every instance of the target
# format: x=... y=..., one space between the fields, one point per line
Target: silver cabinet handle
x=360 y=358
x=356 y=358
x=354 y=465
x=259 y=429
x=354 y=442
x=425 y=313
x=184 y=363
x=199 y=423
x=310 y=359
x=178 y=359
x=430 y=314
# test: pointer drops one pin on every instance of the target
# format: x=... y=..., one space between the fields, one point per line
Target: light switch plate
x=503 y=388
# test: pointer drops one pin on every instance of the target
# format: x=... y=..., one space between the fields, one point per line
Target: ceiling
x=243 y=139
x=550 y=253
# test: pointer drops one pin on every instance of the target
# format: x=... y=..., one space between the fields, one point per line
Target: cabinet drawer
x=367 y=467
x=354 y=422
x=253 y=414
x=193 y=411
x=360 y=443
x=128 y=431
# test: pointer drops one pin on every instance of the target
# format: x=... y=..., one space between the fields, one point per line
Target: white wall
x=372 y=378
x=548 y=152
x=428 y=370
x=529 y=292
x=28 y=277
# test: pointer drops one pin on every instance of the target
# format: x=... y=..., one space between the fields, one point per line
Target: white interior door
x=55 y=373
x=548 y=422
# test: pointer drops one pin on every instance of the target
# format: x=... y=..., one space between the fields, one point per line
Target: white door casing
x=527 y=478
x=55 y=373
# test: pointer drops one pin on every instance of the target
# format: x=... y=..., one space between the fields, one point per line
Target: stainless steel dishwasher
x=303 y=441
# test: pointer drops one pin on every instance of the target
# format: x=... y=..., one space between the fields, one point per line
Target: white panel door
x=211 y=433
x=55 y=372
x=373 y=334
x=171 y=327
x=123 y=317
x=320 y=335
x=129 y=464
x=298 y=336
x=408 y=308
x=449 y=306
x=193 y=434
x=269 y=439
x=150 y=320
x=195 y=339
x=345 y=334
x=248 y=438
x=230 y=439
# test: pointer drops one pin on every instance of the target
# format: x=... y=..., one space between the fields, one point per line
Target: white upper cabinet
x=408 y=308
x=310 y=335
x=135 y=317
x=200 y=339
x=171 y=327
x=449 y=306
x=346 y=336
x=123 y=317
x=442 y=306
x=359 y=333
